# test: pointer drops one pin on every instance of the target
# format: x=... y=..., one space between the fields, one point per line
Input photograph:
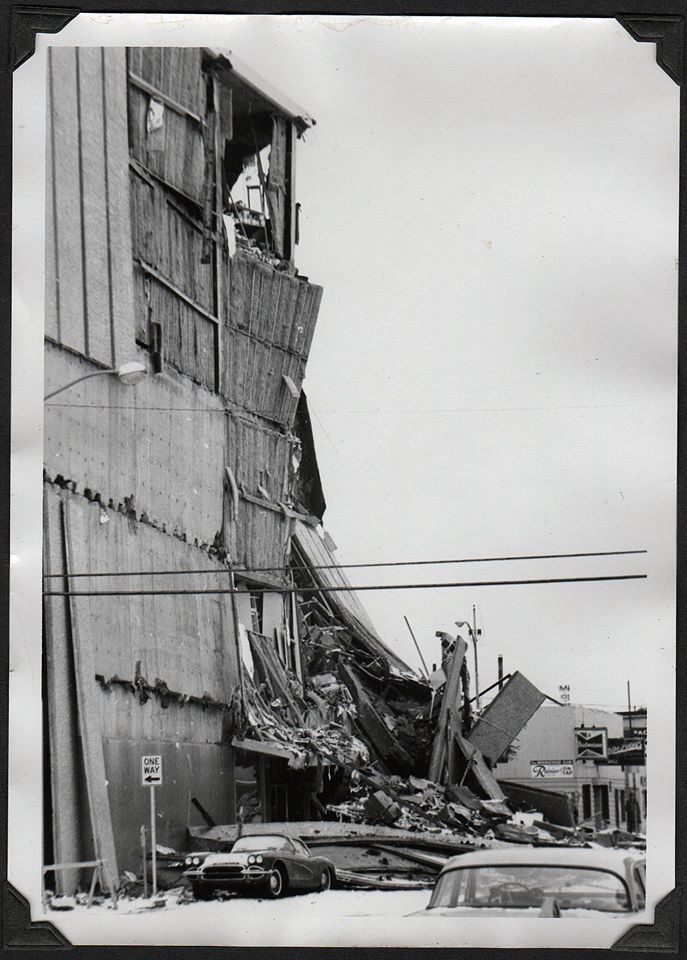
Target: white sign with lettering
x=151 y=771
x=551 y=769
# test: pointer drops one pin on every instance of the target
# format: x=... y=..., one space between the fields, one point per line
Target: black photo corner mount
x=668 y=33
x=18 y=930
x=663 y=935
x=27 y=22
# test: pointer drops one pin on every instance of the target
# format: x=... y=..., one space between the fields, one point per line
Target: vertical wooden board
x=299 y=313
x=137 y=111
x=283 y=336
x=68 y=197
x=97 y=267
x=90 y=713
x=278 y=284
x=266 y=290
x=52 y=320
x=118 y=207
x=66 y=770
x=312 y=319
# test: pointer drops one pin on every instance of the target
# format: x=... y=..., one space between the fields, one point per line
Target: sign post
x=151 y=776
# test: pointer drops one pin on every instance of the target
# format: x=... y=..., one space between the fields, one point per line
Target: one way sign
x=151 y=771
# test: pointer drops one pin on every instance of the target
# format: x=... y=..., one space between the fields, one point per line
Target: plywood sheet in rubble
x=556 y=807
x=505 y=716
x=345 y=602
x=270 y=320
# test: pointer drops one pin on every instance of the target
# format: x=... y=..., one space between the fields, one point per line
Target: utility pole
x=475 y=634
x=500 y=669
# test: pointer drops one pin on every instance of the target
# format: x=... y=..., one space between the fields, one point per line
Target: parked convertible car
x=539 y=882
x=266 y=865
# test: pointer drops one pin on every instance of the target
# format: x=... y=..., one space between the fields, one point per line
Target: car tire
x=202 y=892
x=325 y=880
x=277 y=883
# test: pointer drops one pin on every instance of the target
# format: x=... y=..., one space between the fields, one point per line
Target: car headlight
x=251 y=858
x=196 y=861
x=188 y=861
x=259 y=858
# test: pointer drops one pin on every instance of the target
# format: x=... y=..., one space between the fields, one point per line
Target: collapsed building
x=189 y=610
x=194 y=608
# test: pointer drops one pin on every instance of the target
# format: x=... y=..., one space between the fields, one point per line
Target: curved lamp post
x=473 y=637
x=127 y=373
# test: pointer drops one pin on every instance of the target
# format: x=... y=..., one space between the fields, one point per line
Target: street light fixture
x=474 y=633
x=128 y=373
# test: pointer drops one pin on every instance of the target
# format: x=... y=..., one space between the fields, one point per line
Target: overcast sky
x=491 y=208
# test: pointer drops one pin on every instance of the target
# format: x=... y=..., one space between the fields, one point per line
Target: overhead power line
x=339 y=589
x=348 y=566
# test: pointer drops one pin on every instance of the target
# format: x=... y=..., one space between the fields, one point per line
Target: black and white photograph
x=344 y=480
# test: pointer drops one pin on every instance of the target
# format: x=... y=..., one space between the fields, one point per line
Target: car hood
x=514 y=913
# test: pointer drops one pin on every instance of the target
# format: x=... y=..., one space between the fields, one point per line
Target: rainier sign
x=551 y=769
x=151 y=771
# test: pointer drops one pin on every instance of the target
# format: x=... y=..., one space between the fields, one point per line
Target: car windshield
x=251 y=844
x=573 y=888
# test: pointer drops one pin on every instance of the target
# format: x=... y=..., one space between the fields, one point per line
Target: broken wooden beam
x=384 y=743
x=449 y=705
x=483 y=775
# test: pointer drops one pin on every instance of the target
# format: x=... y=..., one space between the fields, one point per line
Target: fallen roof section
x=344 y=602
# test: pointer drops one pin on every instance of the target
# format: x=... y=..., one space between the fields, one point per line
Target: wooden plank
x=97 y=270
x=118 y=211
x=68 y=198
x=52 y=319
x=485 y=778
x=450 y=704
x=90 y=722
x=380 y=737
x=505 y=716
x=66 y=768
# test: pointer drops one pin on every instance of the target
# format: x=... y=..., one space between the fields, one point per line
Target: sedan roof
x=584 y=857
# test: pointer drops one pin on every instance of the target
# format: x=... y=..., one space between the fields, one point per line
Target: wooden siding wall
x=258 y=538
x=174 y=151
x=89 y=288
x=172 y=193
x=161 y=442
x=259 y=455
x=270 y=319
x=188 y=642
